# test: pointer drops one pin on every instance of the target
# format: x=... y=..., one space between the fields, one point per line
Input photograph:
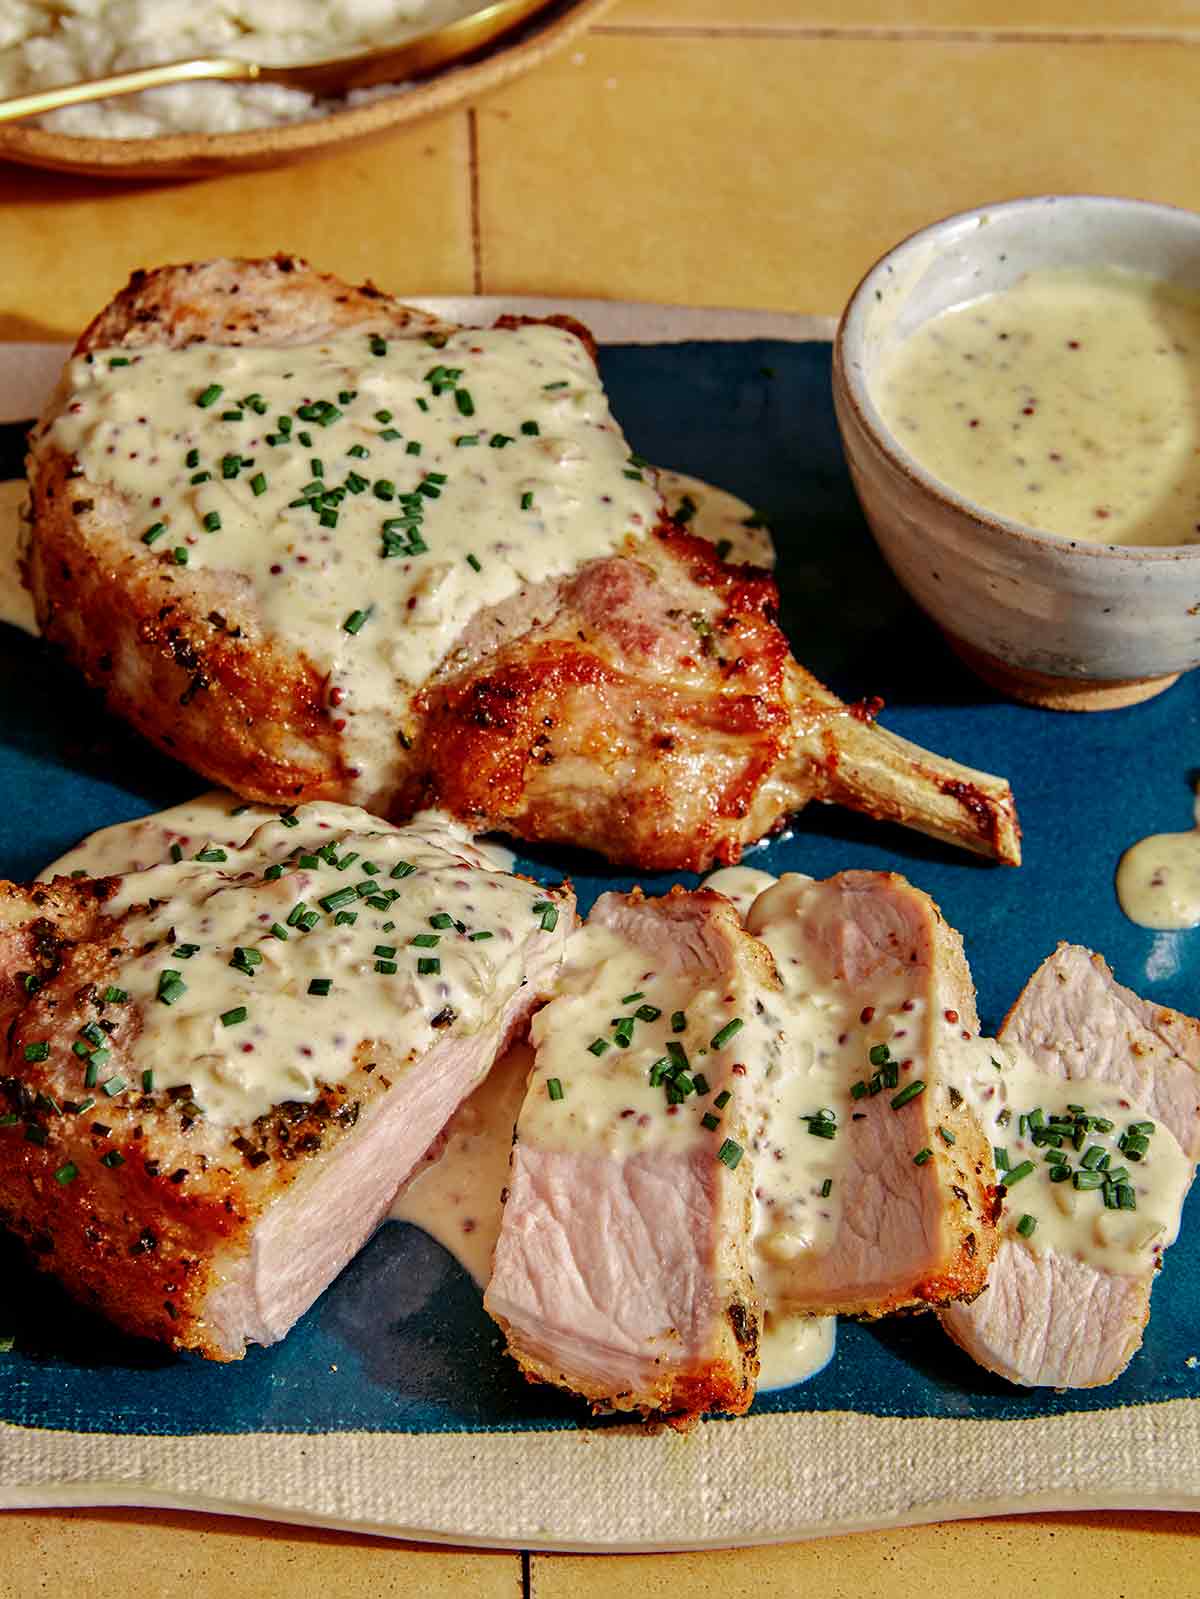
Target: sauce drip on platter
x=1158 y=880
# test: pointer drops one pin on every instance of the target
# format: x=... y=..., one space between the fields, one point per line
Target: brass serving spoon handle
x=390 y=64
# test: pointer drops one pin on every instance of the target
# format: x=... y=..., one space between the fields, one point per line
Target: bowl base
x=1058 y=693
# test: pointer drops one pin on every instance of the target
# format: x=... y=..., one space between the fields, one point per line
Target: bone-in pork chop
x=317 y=545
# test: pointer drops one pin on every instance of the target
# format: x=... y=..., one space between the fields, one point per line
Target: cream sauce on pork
x=219 y=818
x=1068 y=402
x=1158 y=880
x=375 y=491
x=1088 y=1172
x=734 y=527
x=16 y=604
x=259 y=971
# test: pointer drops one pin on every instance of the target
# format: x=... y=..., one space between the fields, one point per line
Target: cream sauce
x=1070 y=1220
x=609 y=987
x=455 y=1192
x=741 y=884
x=1158 y=880
x=250 y=1031
x=793 y=1348
x=376 y=492
x=1069 y=402
x=220 y=818
x=718 y=516
x=16 y=603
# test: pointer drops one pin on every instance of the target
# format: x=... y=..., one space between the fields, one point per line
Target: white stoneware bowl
x=1074 y=625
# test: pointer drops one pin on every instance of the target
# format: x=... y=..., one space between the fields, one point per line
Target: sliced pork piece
x=1090 y=1205
x=317 y=545
x=622 y=1268
x=219 y=1070
x=874 y=1181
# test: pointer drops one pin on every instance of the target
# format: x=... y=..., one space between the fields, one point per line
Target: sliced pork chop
x=219 y=1070
x=461 y=591
x=622 y=1268
x=1068 y=1297
x=874 y=1180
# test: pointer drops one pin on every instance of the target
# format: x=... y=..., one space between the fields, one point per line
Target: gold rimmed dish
x=482 y=59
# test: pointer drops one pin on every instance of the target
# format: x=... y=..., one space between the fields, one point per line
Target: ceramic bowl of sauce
x=1018 y=392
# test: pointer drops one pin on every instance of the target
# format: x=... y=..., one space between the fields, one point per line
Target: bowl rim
x=849 y=379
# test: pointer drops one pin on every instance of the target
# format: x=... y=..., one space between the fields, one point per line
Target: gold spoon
x=325 y=79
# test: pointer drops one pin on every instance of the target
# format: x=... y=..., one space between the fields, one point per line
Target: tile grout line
x=473 y=201
x=865 y=34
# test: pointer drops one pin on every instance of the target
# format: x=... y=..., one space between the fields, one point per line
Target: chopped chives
x=1016 y=1174
x=530 y=428
x=646 y=1013
x=710 y=1121
x=385 y=966
x=37 y=1051
x=473 y=563
x=320 y=986
x=211 y=854
x=553 y=1086
x=231 y=1018
x=345 y=919
x=1086 y=1179
x=148 y=1081
x=678 y=1022
x=730 y=1029
x=946 y=1135
x=483 y=933
x=441 y=920
x=910 y=1092
x=464 y=402
x=701 y=1082
x=628 y=999
x=426 y=940
x=180 y=555
x=354 y=622
x=922 y=1156
x=171 y=987
x=402 y=869
x=258 y=483
x=549 y=919
x=730 y=1153
x=154 y=531
x=827 y=1188
x=67 y=1173
x=386 y=950
x=722 y=1099
x=340 y=897
x=115 y=996
x=212 y=522
x=527 y=500
x=210 y=396
x=428 y=966
x=1026 y=1225
x=112 y=1158
x=114 y=1086
x=599 y=1046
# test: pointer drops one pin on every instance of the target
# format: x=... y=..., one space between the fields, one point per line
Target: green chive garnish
x=354 y=621
x=155 y=531
x=66 y=1174
x=910 y=1092
x=730 y=1153
x=230 y=1018
x=428 y=966
x=1026 y=1225
x=171 y=987
x=38 y=1051
x=320 y=986
x=553 y=1086
x=210 y=396
x=921 y=1156
x=1016 y=1174
x=720 y=1039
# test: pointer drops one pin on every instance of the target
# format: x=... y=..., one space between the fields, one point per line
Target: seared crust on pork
x=645 y=706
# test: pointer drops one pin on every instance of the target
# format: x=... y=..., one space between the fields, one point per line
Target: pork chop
x=219 y=1070
x=874 y=1179
x=622 y=1267
x=318 y=545
x=1099 y=1096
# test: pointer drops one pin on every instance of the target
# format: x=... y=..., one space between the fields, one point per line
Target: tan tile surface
x=1040 y=16
x=398 y=208
x=771 y=172
x=1129 y=1556
x=81 y=1552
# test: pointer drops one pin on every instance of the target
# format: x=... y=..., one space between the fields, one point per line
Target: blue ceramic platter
x=400 y=1341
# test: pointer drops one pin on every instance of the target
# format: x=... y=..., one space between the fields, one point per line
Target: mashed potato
x=48 y=42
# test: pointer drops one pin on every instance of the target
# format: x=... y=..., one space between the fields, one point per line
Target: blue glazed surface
x=400 y=1341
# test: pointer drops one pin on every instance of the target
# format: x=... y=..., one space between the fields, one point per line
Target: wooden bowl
x=195 y=155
